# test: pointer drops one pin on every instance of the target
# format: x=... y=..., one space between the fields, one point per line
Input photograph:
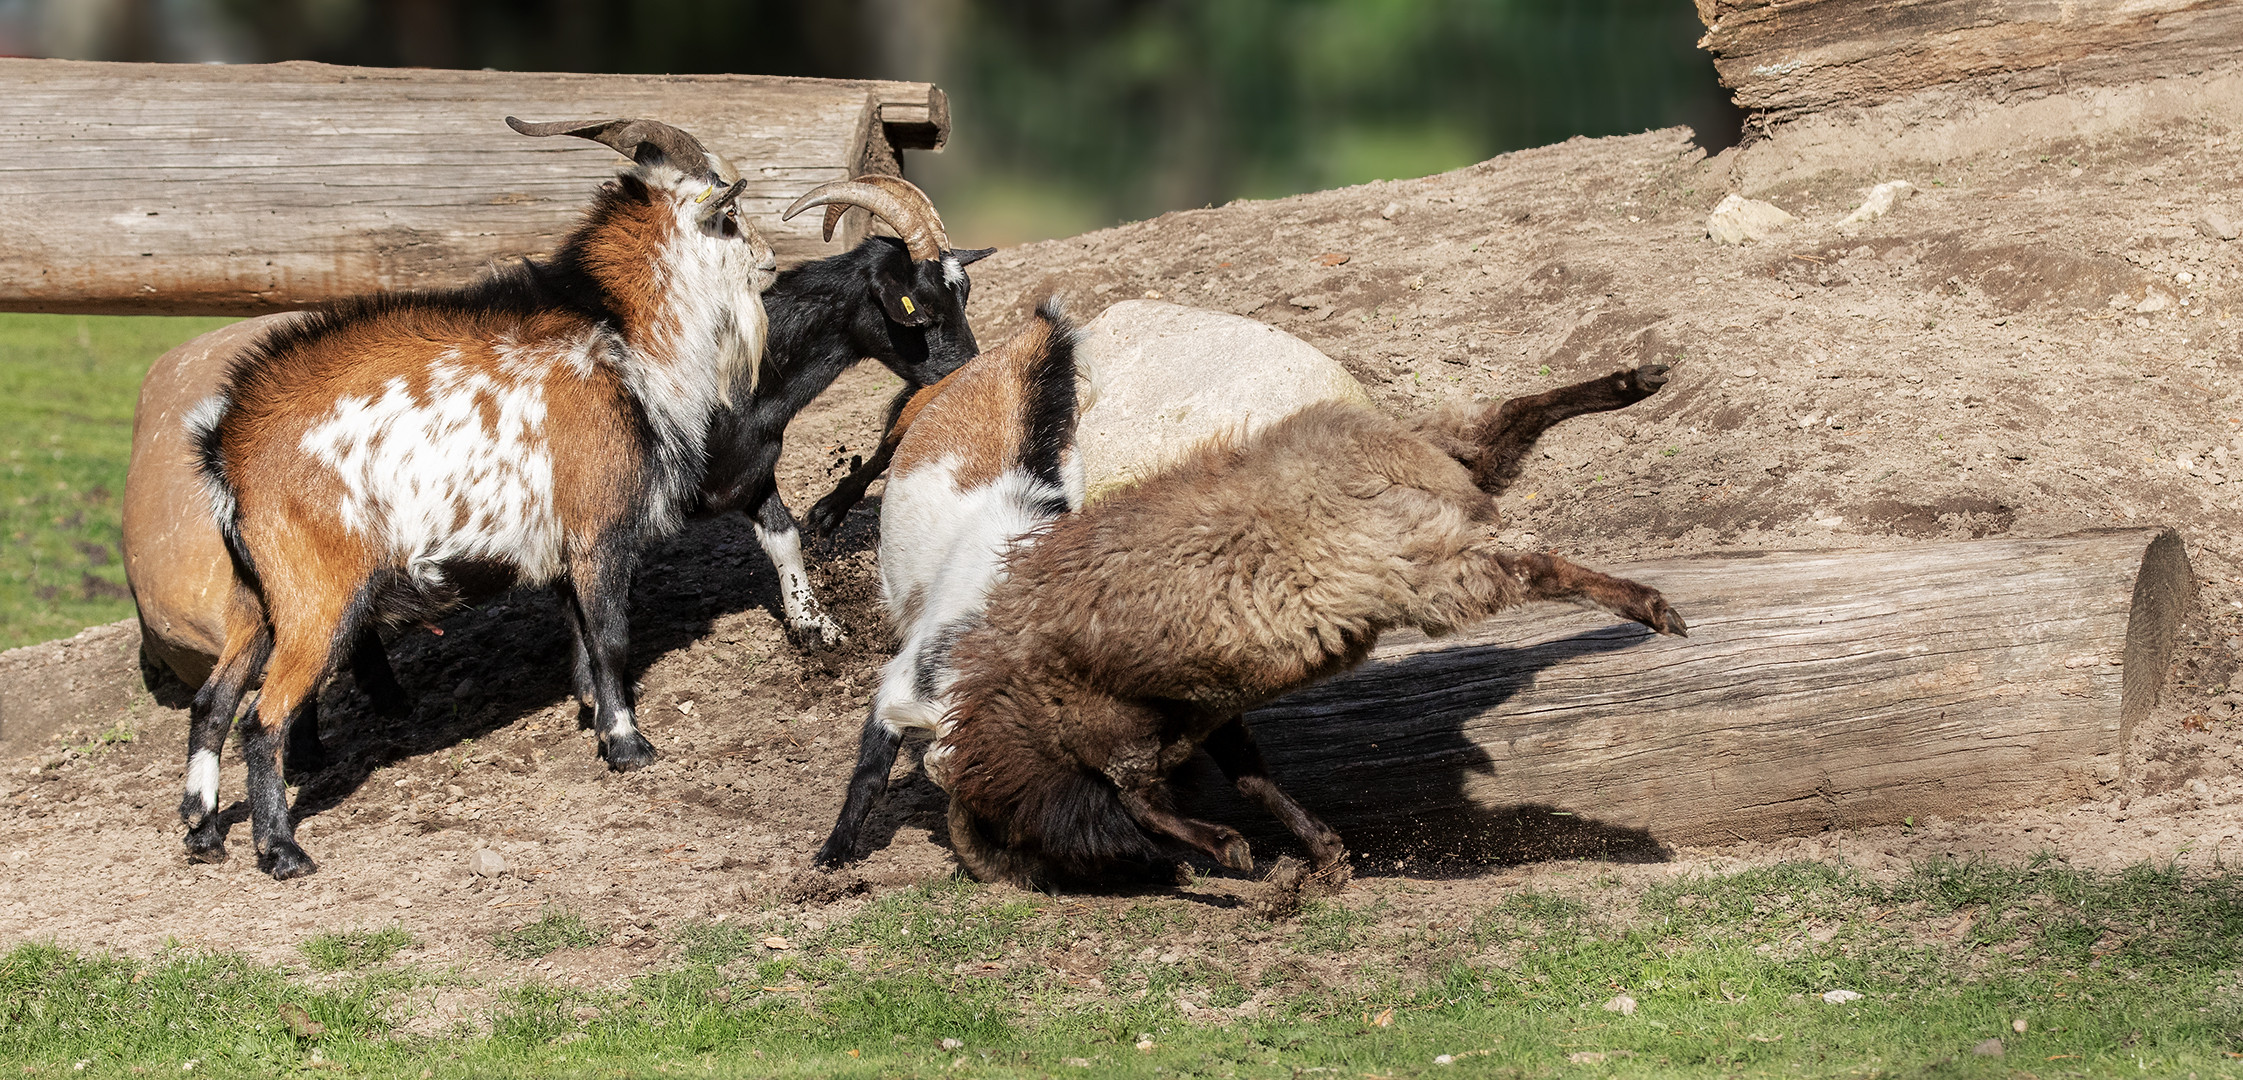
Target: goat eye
x=728 y=227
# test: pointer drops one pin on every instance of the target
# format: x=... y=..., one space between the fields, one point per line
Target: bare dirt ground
x=2040 y=341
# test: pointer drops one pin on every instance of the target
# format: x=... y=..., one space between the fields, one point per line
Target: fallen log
x=1817 y=690
x=1785 y=59
x=243 y=189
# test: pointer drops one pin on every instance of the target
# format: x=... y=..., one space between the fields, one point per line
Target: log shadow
x=1405 y=804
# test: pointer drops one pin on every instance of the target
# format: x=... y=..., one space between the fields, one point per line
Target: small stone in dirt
x=2216 y=225
x=1880 y=202
x=1444 y=1059
x=953 y=1044
x=777 y=944
x=1390 y=211
x=1738 y=220
x=1840 y=997
x=2019 y=1025
x=1622 y=1004
x=486 y=863
x=1989 y=1048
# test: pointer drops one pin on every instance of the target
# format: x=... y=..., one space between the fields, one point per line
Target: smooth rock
x=2216 y=225
x=1159 y=378
x=486 y=863
x=1738 y=220
x=1989 y=1048
x=1880 y=202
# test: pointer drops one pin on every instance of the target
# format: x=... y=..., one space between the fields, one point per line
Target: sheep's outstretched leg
x=1548 y=577
x=826 y=517
x=876 y=754
x=1220 y=842
x=1509 y=430
x=1234 y=751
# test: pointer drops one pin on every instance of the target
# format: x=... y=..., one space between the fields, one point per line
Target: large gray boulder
x=1161 y=378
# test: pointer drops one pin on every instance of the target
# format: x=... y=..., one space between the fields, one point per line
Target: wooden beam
x=1816 y=690
x=237 y=190
x=1785 y=58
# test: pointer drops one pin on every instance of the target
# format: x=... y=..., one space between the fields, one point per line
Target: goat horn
x=893 y=199
x=643 y=141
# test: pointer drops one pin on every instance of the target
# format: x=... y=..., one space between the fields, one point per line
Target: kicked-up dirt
x=2045 y=338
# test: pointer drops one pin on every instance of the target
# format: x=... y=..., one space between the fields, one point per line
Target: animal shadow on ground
x=496 y=663
x=1402 y=795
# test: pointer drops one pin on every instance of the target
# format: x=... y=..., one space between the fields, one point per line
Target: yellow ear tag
x=907 y=308
x=705 y=195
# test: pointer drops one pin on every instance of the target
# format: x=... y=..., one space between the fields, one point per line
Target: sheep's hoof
x=832 y=855
x=819 y=633
x=284 y=860
x=1667 y=620
x=627 y=752
x=1649 y=378
x=1235 y=854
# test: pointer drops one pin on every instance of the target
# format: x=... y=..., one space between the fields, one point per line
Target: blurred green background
x=1069 y=115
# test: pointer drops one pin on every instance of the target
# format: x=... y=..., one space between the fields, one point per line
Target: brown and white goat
x=392 y=457
x=1129 y=634
x=981 y=461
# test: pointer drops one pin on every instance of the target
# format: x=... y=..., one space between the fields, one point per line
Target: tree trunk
x=1787 y=59
x=1816 y=690
x=239 y=190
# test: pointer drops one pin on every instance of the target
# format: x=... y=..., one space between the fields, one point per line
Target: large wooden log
x=1788 y=57
x=238 y=190
x=1816 y=690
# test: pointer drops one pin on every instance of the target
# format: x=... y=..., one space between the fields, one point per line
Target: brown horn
x=893 y=199
x=643 y=141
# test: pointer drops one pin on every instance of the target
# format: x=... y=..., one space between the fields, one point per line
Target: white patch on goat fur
x=953 y=274
x=200 y=421
x=795 y=595
x=414 y=466
x=202 y=779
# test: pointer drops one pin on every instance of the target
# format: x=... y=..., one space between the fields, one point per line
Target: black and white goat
x=901 y=302
x=984 y=459
x=392 y=457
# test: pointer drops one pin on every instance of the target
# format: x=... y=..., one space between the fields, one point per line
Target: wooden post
x=1816 y=690
x=238 y=190
x=1785 y=59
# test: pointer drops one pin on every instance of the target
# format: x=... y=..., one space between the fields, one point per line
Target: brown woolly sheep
x=1137 y=630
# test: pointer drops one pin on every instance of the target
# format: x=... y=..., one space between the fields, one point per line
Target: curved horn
x=643 y=141
x=893 y=199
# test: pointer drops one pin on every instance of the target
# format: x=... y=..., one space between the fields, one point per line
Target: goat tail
x=1051 y=406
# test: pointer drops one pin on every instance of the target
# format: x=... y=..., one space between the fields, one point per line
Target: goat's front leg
x=600 y=589
x=580 y=666
x=1511 y=429
x=807 y=621
x=876 y=754
x=826 y=517
x=1548 y=577
x=1232 y=747
x=1220 y=842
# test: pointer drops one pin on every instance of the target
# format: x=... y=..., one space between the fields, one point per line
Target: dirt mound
x=2039 y=341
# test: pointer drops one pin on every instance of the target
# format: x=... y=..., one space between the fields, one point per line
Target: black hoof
x=284 y=860
x=1668 y=621
x=627 y=753
x=206 y=845
x=832 y=855
x=823 y=520
x=1650 y=377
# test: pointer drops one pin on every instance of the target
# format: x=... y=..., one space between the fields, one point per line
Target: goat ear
x=895 y=297
x=970 y=256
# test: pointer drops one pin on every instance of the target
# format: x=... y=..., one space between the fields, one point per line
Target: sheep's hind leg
x=1221 y=842
x=1512 y=428
x=1547 y=577
x=876 y=754
x=1234 y=751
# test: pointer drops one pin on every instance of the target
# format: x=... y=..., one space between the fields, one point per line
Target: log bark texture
x=1788 y=57
x=239 y=190
x=1816 y=690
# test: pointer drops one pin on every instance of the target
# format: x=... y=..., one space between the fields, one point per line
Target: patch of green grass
x=549 y=933
x=354 y=948
x=1727 y=975
x=67 y=388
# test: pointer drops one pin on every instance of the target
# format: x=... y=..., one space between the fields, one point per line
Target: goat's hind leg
x=876 y=754
x=1234 y=751
x=1509 y=430
x=212 y=716
x=1547 y=577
